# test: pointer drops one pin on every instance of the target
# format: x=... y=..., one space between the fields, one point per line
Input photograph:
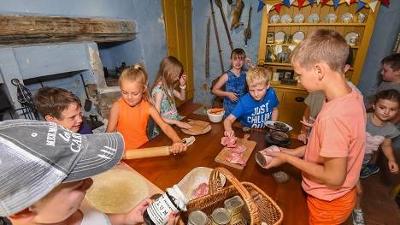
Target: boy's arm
x=135 y=216
x=388 y=152
x=275 y=114
x=332 y=171
x=228 y=125
x=113 y=118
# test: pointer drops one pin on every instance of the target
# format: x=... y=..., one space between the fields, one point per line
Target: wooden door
x=178 y=28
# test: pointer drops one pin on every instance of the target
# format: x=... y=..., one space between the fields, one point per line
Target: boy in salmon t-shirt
x=331 y=160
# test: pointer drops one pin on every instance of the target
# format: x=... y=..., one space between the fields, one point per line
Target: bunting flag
x=269 y=7
x=324 y=2
x=348 y=2
x=335 y=3
x=286 y=2
x=278 y=7
x=311 y=1
x=300 y=3
x=372 y=5
x=260 y=5
x=385 y=2
x=360 y=5
x=318 y=1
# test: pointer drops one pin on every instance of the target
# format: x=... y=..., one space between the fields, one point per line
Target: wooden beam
x=18 y=29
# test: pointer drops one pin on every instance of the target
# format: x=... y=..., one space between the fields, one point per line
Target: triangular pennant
x=385 y=2
x=268 y=7
x=348 y=2
x=291 y=2
x=260 y=5
x=360 y=5
x=352 y=1
x=318 y=1
x=278 y=7
x=335 y=3
x=372 y=5
x=311 y=1
x=324 y=2
x=300 y=3
x=286 y=2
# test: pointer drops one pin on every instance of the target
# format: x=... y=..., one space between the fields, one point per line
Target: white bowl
x=215 y=117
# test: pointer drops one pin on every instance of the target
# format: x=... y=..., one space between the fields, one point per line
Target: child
x=130 y=114
x=62 y=107
x=380 y=133
x=234 y=81
x=163 y=93
x=45 y=174
x=257 y=106
x=331 y=160
x=314 y=102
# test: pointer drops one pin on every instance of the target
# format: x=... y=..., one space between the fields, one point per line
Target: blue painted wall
x=382 y=42
x=149 y=47
x=201 y=12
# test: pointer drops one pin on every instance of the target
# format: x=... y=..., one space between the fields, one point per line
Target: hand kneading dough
x=117 y=191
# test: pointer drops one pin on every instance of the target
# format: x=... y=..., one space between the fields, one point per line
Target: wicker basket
x=259 y=207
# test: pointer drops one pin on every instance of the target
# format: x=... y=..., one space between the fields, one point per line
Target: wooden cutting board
x=198 y=127
x=223 y=154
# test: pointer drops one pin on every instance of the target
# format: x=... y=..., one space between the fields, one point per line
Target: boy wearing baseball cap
x=46 y=171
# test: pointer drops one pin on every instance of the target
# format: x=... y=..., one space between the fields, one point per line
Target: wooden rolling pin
x=147 y=152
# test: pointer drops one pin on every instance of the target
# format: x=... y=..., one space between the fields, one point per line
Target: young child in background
x=62 y=107
x=314 y=102
x=257 y=106
x=46 y=172
x=130 y=114
x=170 y=75
x=331 y=160
x=380 y=132
x=234 y=81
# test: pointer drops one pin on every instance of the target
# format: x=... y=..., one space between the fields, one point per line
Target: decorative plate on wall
x=299 y=18
x=347 y=18
x=275 y=18
x=298 y=37
x=286 y=18
x=280 y=37
x=313 y=18
x=330 y=18
x=352 y=38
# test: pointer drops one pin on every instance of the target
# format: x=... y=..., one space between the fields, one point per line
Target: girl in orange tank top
x=129 y=114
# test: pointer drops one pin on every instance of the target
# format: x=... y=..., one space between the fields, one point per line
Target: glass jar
x=220 y=216
x=171 y=201
x=198 y=218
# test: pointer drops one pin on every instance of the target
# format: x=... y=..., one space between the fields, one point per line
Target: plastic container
x=198 y=218
x=171 y=201
x=220 y=216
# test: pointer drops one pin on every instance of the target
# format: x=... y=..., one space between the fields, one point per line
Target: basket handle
x=215 y=185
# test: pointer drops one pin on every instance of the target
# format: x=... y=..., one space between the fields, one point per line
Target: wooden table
x=167 y=171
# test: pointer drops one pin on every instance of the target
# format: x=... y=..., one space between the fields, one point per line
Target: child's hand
x=278 y=158
x=178 y=147
x=172 y=219
x=393 y=167
x=229 y=133
x=302 y=137
x=135 y=216
x=183 y=125
x=182 y=80
x=232 y=96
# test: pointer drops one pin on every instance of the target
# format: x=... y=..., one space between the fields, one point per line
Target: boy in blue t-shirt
x=257 y=106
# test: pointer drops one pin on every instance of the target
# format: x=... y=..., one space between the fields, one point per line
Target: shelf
x=351 y=46
x=278 y=64
x=317 y=24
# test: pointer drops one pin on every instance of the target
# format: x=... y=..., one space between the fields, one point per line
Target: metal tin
x=198 y=218
x=220 y=216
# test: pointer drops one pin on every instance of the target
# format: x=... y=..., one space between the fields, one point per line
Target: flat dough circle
x=117 y=191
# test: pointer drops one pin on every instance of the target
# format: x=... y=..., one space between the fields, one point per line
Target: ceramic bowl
x=215 y=116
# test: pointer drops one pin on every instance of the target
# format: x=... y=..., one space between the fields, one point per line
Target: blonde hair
x=322 y=46
x=258 y=75
x=169 y=68
x=136 y=73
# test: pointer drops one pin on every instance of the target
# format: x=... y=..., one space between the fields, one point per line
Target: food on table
x=216 y=110
x=200 y=191
x=236 y=158
x=229 y=142
x=266 y=159
x=279 y=136
x=281 y=126
x=238 y=149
